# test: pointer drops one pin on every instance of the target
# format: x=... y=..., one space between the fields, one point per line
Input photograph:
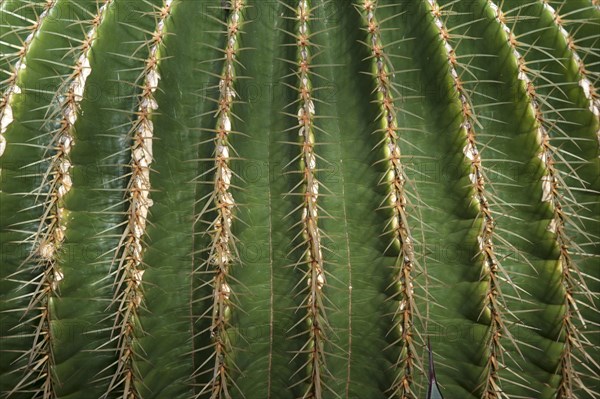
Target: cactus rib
x=395 y=176
x=128 y=290
x=311 y=233
x=222 y=252
x=56 y=183
x=6 y=114
x=551 y=194
x=491 y=267
x=585 y=80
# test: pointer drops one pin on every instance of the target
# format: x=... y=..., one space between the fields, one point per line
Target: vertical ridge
x=314 y=275
x=406 y=313
x=585 y=79
x=222 y=253
x=12 y=86
x=128 y=276
x=47 y=249
x=492 y=272
x=551 y=188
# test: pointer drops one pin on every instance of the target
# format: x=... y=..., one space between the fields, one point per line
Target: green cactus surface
x=312 y=199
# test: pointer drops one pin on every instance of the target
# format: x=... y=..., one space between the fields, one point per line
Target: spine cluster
x=222 y=253
x=395 y=179
x=129 y=274
x=551 y=195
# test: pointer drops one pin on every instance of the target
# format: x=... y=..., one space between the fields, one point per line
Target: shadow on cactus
x=299 y=199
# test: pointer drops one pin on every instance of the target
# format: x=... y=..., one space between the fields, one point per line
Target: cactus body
x=246 y=199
